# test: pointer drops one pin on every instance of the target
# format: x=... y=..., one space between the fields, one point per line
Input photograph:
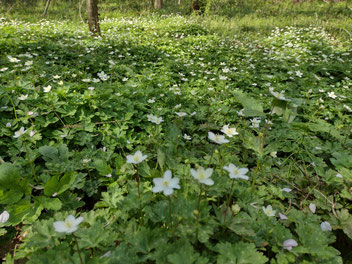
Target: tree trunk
x=93 y=17
x=46 y=8
x=179 y=2
x=195 y=5
x=158 y=4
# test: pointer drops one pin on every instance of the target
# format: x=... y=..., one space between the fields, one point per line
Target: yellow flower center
x=166 y=183
x=202 y=176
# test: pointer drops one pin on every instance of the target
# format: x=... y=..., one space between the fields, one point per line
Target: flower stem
x=228 y=199
x=255 y=175
x=198 y=211
x=14 y=109
x=78 y=249
x=137 y=181
x=170 y=219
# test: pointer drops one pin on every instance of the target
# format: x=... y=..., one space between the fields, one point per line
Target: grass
x=159 y=83
x=244 y=19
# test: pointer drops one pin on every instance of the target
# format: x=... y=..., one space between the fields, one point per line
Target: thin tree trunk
x=179 y=2
x=46 y=8
x=158 y=4
x=195 y=6
x=93 y=17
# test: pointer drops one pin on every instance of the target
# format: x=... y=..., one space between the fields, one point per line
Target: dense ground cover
x=74 y=107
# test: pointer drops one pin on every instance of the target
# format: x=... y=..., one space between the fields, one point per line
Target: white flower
x=167 y=184
x=106 y=255
x=138 y=157
x=8 y=124
x=332 y=95
x=255 y=122
x=312 y=207
x=28 y=63
x=273 y=154
x=289 y=244
x=338 y=175
x=229 y=131
x=155 y=119
x=68 y=226
x=31 y=134
x=150 y=101
x=278 y=95
x=240 y=113
x=299 y=74
x=4 y=216
x=56 y=76
x=219 y=139
x=12 y=59
x=203 y=175
x=186 y=137
x=287 y=189
x=181 y=114
x=103 y=76
x=236 y=173
x=325 y=226
x=20 y=132
x=23 y=97
x=269 y=210
x=282 y=216
x=47 y=89
x=3 y=69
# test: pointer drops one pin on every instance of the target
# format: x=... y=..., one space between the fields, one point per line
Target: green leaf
x=49 y=203
x=49 y=153
x=102 y=167
x=251 y=106
x=9 y=176
x=239 y=253
x=144 y=169
x=185 y=254
x=10 y=196
x=161 y=158
x=57 y=186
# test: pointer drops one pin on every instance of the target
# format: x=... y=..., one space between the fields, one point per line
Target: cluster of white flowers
x=155 y=119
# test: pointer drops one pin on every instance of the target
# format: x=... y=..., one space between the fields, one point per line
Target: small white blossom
x=186 y=137
x=167 y=184
x=13 y=59
x=47 y=89
x=269 y=211
x=229 y=131
x=68 y=226
x=4 y=217
x=138 y=157
x=236 y=173
x=181 y=114
x=287 y=189
x=203 y=175
x=325 y=226
x=255 y=122
x=23 y=97
x=20 y=132
x=332 y=95
x=282 y=216
x=219 y=139
x=289 y=244
x=312 y=207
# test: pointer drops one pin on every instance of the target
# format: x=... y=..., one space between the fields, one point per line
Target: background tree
x=93 y=16
x=158 y=4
